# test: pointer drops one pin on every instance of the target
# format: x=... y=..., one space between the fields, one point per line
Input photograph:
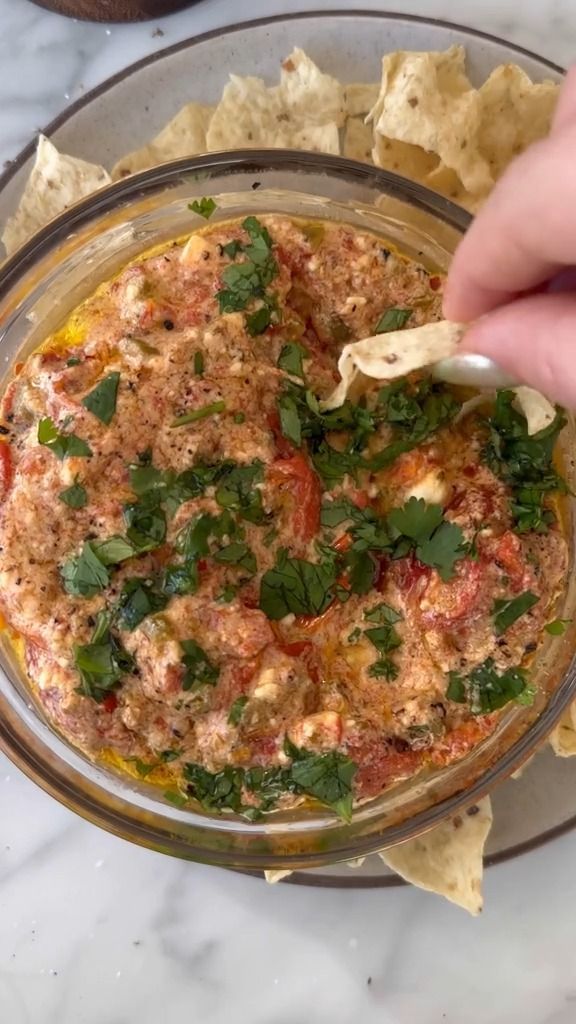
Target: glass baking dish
x=39 y=286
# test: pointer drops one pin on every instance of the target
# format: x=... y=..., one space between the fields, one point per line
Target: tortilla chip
x=448 y=859
x=445 y=181
x=427 y=100
x=514 y=113
x=184 y=135
x=563 y=738
x=402 y=158
x=56 y=182
x=308 y=95
x=394 y=354
x=358 y=140
x=276 y=876
x=360 y=97
x=303 y=112
x=538 y=410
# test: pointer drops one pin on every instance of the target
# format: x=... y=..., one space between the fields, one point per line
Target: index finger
x=524 y=233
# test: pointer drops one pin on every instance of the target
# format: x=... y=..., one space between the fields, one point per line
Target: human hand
x=515 y=269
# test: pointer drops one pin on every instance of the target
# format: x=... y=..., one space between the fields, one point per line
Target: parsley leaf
x=393 y=319
x=203 y=207
x=199 y=669
x=113 y=550
x=101 y=402
x=63 y=445
x=384 y=637
x=291 y=357
x=74 y=496
x=506 y=611
x=486 y=690
x=235 y=489
x=297 y=586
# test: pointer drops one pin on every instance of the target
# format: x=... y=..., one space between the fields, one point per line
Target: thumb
x=534 y=339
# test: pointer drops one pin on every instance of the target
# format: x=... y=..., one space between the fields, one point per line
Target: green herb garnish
x=485 y=689
x=101 y=663
x=199 y=414
x=138 y=599
x=291 y=358
x=199 y=669
x=237 y=710
x=198 y=364
x=63 y=445
x=506 y=611
x=297 y=586
x=436 y=542
x=74 y=496
x=557 y=627
x=101 y=402
x=203 y=207
x=393 y=319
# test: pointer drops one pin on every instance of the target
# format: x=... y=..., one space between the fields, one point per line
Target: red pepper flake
x=110 y=703
x=435 y=283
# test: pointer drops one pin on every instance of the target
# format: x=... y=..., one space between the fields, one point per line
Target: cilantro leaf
x=101 y=402
x=238 y=554
x=437 y=543
x=259 y=321
x=524 y=462
x=506 y=611
x=486 y=690
x=84 y=575
x=443 y=549
x=291 y=357
x=101 y=663
x=557 y=627
x=237 y=710
x=146 y=525
x=74 y=496
x=326 y=777
x=138 y=599
x=297 y=586
x=416 y=519
x=203 y=207
x=199 y=669
x=235 y=489
x=393 y=319
x=113 y=549
x=63 y=445
x=181 y=579
x=199 y=414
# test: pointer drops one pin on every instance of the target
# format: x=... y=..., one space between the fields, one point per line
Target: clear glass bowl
x=39 y=286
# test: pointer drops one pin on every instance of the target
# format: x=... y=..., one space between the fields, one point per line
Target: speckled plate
x=128 y=109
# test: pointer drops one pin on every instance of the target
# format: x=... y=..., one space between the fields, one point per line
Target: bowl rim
x=85 y=803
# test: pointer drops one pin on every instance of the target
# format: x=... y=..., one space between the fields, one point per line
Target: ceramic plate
x=128 y=109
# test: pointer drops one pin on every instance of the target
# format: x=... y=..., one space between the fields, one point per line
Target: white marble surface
x=94 y=931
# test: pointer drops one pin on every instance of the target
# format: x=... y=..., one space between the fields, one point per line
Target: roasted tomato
x=6 y=470
x=296 y=477
x=445 y=603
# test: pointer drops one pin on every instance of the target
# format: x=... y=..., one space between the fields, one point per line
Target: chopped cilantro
x=506 y=611
x=199 y=414
x=291 y=357
x=199 y=669
x=198 y=364
x=524 y=462
x=228 y=594
x=236 y=490
x=101 y=663
x=84 y=575
x=436 y=542
x=101 y=402
x=175 y=798
x=170 y=755
x=146 y=525
x=113 y=550
x=260 y=320
x=238 y=554
x=384 y=637
x=63 y=445
x=485 y=689
x=236 y=710
x=203 y=207
x=297 y=586
x=393 y=319
x=239 y=417
x=138 y=599
x=181 y=579
x=74 y=496
x=327 y=777
x=557 y=627
x=73 y=361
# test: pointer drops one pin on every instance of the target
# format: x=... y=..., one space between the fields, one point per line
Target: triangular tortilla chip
x=394 y=354
x=448 y=860
x=358 y=140
x=184 y=135
x=56 y=182
x=360 y=97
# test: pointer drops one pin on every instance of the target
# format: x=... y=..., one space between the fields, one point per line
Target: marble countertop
x=95 y=931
